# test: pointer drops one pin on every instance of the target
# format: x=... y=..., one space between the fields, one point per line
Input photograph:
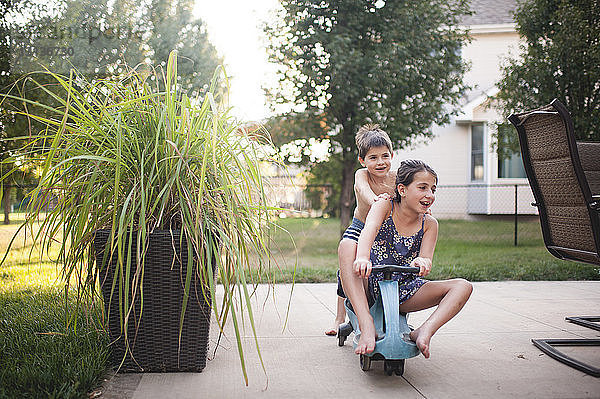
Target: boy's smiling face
x=378 y=161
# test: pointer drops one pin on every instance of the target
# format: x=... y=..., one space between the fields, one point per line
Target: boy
x=375 y=181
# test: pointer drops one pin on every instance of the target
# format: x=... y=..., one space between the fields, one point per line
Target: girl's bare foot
x=366 y=342
x=421 y=337
x=334 y=329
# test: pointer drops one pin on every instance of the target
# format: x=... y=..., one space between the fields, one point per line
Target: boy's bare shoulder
x=392 y=174
x=361 y=171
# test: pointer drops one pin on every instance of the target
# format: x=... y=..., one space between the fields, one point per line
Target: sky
x=234 y=28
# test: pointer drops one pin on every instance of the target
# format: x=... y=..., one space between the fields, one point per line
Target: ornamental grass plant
x=132 y=155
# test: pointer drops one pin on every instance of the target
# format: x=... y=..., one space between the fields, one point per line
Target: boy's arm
x=375 y=217
x=425 y=258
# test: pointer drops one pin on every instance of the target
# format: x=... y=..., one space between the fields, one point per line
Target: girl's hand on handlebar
x=422 y=263
x=362 y=267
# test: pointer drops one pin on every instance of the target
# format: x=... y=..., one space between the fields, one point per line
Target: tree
x=98 y=38
x=172 y=27
x=325 y=173
x=350 y=62
x=14 y=127
x=560 y=58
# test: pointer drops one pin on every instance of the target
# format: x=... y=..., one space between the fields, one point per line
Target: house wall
x=448 y=153
x=449 y=150
x=490 y=45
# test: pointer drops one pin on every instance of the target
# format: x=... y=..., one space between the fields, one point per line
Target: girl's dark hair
x=407 y=171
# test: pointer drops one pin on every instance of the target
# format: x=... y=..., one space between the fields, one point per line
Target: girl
x=400 y=232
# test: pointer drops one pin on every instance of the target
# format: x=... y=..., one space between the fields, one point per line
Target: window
x=477 y=141
x=511 y=166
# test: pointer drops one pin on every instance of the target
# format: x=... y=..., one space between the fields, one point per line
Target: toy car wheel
x=344 y=330
x=388 y=367
x=365 y=363
x=400 y=368
x=393 y=367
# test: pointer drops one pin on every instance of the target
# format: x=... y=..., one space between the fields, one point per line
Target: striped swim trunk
x=353 y=231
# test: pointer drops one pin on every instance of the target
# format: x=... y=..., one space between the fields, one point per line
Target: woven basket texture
x=568 y=215
x=155 y=346
x=589 y=155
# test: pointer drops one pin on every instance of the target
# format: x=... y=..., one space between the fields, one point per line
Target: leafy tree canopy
x=560 y=58
x=350 y=62
x=97 y=38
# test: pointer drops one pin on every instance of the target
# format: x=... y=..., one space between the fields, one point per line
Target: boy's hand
x=362 y=267
x=422 y=263
x=384 y=196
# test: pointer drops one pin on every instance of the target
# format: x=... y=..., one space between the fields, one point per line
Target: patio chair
x=564 y=176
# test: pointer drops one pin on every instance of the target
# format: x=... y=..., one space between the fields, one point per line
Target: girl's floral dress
x=391 y=248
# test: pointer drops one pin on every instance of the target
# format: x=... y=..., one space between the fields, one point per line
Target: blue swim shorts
x=353 y=231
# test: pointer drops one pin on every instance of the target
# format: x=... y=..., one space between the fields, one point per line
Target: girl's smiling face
x=420 y=194
x=378 y=161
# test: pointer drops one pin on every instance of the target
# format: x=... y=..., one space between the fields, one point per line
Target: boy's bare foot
x=334 y=329
x=421 y=337
x=366 y=342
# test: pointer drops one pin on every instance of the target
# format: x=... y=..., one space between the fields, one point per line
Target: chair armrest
x=589 y=156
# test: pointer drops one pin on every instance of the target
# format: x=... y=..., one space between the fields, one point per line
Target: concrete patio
x=486 y=351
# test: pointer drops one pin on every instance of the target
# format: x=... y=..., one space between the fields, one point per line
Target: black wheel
x=400 y=368
x=343 y=331
x=365 y=363
x=388 y=367
x=393 y=367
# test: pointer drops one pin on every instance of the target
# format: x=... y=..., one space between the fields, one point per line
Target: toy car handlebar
x=395 y=268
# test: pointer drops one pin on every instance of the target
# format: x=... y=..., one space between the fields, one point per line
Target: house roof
x=491 y=12
x=466 y=112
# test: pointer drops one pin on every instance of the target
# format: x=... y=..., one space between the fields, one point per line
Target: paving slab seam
x=320 y=301
x=578 y=335
x=414 y=387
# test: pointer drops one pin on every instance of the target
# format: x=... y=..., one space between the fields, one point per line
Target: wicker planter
x=155 y=345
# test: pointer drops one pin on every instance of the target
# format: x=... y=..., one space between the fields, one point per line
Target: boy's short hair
x=370 y=136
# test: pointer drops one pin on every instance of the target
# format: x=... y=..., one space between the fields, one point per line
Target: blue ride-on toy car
x=393 y=344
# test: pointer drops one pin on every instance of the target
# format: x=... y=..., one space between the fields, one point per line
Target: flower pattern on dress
x=391 y=248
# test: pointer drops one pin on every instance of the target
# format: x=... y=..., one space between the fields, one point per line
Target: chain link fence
x=298 y=199
x=494 y=213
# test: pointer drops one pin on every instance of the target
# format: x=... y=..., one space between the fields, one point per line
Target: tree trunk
x=347 y=199
x=6 y=203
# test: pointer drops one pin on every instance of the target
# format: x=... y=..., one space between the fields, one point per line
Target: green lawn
x=43 y=353
x=477 y=251
x=41 y=356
